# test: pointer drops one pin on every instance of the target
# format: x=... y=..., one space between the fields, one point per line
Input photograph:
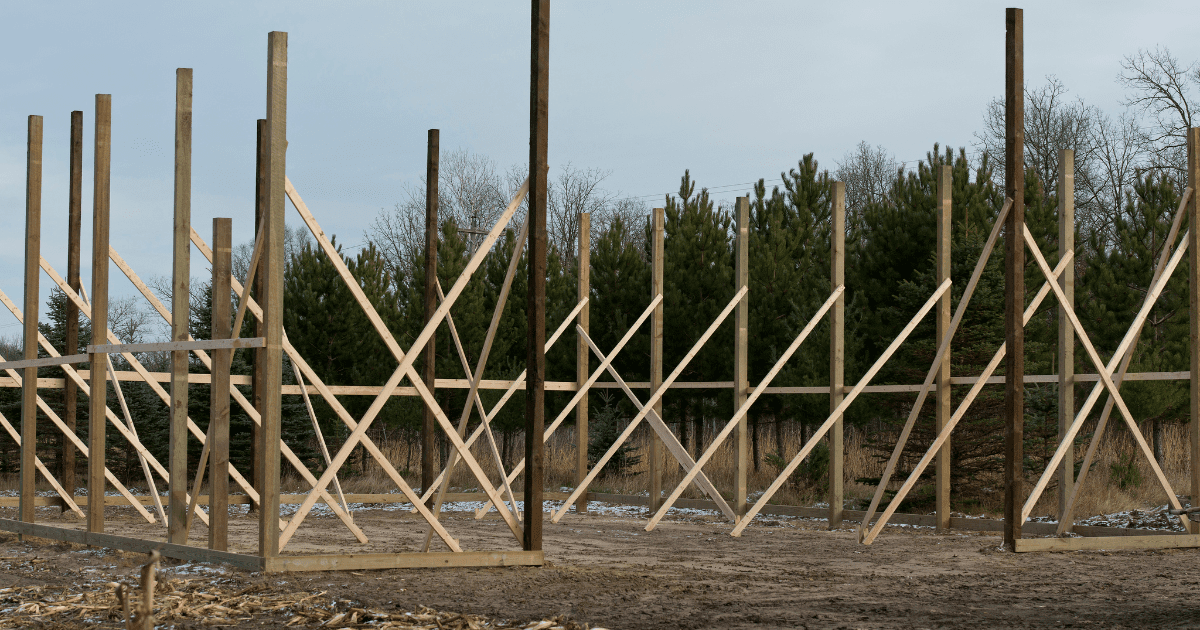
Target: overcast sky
x=733 y=91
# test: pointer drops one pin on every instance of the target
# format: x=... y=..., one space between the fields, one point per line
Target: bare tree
x=1162 y=89
x=1108 y=174
x=575 y=191
x=868 y=173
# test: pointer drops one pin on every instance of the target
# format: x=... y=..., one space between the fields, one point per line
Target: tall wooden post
x=429 y=426
x=1014 y=274
x=97 y=405
x=218 y=493
x=260 y=290
x=1066 y=333
x=944 y=409
x=268 y=516
x=70 y=389
x=535 y=358
x=657 y=256
x=837 y=351
x=33 y=252
x=180 y=309
x=1193 y=166
x=741 y=347
x=583 y=355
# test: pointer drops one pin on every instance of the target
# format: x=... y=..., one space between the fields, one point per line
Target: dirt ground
x=605 y=570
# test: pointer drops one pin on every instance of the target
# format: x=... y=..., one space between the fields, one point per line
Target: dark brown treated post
x=535 y=361
x=218 y=419
x=583 y=356
x=1014 y=274
x=260 y=354
x=70 y=389
x=1193 y=166
x=741 y=347
x=33 y=252
x=102 y=164
x=837 y=351
x=944 y=410
x=1066 y=333
x=180 y=309
x=268 y=516
x=429 y=426
x=657 y=259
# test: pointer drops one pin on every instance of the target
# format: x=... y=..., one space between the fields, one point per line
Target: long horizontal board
x=284 y=499
x=363 y=561
x=1112 y=543
x=43 y=362
x=168 y=346
x=83 y=537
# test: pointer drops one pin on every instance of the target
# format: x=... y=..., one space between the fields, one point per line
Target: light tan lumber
x=745 y=407
x=1108 y=543
x=33 y=240
x=654 y=453
x=62 y=493
x=312 y=415
x=101 y=190
x=583 y=285
x=1066 y=335
x=654 y=398
x=218 y=391
x=943 y=404
x=176 y=346
x=181 y=253
x=150 y=485
x=27 y=364
x=887 y=354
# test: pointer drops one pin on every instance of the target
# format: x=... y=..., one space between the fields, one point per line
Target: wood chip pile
x=200 y=603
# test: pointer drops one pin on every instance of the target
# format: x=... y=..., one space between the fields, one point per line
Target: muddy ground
x=605 y=570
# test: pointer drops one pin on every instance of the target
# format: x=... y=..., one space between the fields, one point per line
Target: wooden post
x=272 y=305
x=429 y=426
x=180 y=309
x=218 y=484
x=33 y=252
x=1193 y=166
x=260 y=290
x=535 y=358
x=657 y=256
x=1014 y=274
x=97 y=405
x=583 y=356
x=837 y=351
x=741 y=348
x=66 y=473
x=1066 y=334
x=944 y=409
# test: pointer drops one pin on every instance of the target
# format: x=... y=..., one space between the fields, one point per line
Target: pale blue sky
x=732 y=90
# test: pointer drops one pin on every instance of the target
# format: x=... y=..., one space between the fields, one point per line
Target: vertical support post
x=657 y=256
x=1014 y=273
x=268 y=516
x=583 y=356
x=535 y=359
x=180 y=309
x=258 y=382
x=102 y=165
x=33 y=252
x=1066 y=334
x=837 y=351
x=70 y=389
x=1193 y=166
x=429 y=426
x=945 y=228
x=218 y=419
x=741 y=347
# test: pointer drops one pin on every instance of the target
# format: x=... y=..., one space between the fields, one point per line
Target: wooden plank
x=1193 y=174
x=259 y=292
x=582 y=355
x=198 y=378
x=535 y=310
x=1066 y=334
x=65 y=500
x=125 y=543
x=272 y=275
x=222 y=268
x=33 y=240
x=177 y=346
x=150 y=485
x=369 y=561
x=312 y=416
x=1113 y=543
x=180 y=299
x=33 y=364
x=758 y=390
x=945 y=187
x=654 y=398
x=657 y=287
x=429 y=356
x=67 y=466
x=837 y=350
x=1014 y=270
x=741 y=361
x=96 y=403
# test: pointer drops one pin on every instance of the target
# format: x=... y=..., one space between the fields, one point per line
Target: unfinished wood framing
x=33 y=239
x=180 y=307
x=582 y=353
x=429 y=364
x=1193 y=240
x=837 y=351
x=74 y=219
x=1066 y=334
x=741 y=358
x=1014 y=271
x=941 y=483
x=654 y=453
x=218 y=528
x=96 y=400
